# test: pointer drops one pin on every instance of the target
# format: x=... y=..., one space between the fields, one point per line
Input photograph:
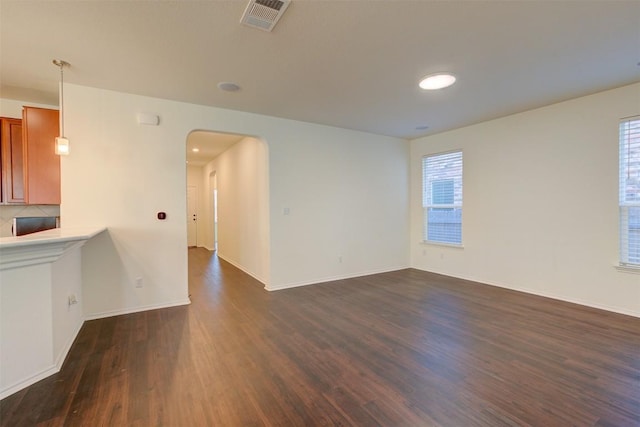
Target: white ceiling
x=352 y=64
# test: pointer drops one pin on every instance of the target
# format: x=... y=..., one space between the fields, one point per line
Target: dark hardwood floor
x=406 y=348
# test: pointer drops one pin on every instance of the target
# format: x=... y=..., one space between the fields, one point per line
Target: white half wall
x=540 y=202
x=37 y=323
x=67 y=319
x=26 y=337
x=347 y=194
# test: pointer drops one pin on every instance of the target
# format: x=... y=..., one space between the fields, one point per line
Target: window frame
x=624 y=204
x=427 y=204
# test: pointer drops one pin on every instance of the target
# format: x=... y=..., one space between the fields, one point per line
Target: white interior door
x=192 y=216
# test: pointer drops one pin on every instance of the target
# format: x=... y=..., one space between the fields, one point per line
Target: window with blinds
x=442 y=198
x=630 y=192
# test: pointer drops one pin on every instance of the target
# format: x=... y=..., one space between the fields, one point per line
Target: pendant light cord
x=61 y=63
x=62 y=99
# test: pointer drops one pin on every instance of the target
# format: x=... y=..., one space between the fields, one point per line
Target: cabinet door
x=41 y=164
x=12 y=161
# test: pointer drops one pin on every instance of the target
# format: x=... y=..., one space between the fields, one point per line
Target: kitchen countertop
x=51 y=236
x=42 y=247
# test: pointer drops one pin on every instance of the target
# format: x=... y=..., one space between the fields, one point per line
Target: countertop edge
x=56 y=235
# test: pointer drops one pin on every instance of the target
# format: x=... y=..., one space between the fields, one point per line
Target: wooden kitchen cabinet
x=40 y=127
x=30 y=169
x=12 y=161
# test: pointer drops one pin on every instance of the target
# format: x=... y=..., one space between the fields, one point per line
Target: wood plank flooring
x=406 y=348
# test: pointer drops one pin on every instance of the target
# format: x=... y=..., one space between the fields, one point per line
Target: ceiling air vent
x=264 y=14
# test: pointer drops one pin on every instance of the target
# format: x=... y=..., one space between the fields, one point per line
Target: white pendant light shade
x=62 y=146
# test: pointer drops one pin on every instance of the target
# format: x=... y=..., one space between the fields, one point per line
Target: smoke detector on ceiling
x=264 y=14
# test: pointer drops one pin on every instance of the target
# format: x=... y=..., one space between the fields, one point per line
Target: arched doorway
x=230 y=172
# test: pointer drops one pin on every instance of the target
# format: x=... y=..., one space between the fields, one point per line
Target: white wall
x=26 y=341
x=347 y=192
x=66 y=280
x=194 y=175
x=37 y=325
x=243 y=206
x=12 y=108
x=120 y=174
x=540 y=202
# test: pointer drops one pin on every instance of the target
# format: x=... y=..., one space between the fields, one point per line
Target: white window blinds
x=442 y=198
x=630 y=191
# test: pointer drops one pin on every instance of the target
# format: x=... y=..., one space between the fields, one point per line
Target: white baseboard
x=16 y=387
x=573 y=301
x=544 y=294
x=130 y=310
x=332 y=278
x=62 y=355
x=53 y=369
x=240 y=267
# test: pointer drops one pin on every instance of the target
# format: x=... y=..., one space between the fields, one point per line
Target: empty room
x=313 y=212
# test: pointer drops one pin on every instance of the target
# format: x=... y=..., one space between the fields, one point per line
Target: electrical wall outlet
x=139 y=282
x=72 y=299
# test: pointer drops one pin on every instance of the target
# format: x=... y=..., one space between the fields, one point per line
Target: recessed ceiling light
x=437 y=81
x=228 y=86
x=195 y=150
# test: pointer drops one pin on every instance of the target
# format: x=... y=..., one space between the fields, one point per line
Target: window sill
x=447 y=245
x=633 y=269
